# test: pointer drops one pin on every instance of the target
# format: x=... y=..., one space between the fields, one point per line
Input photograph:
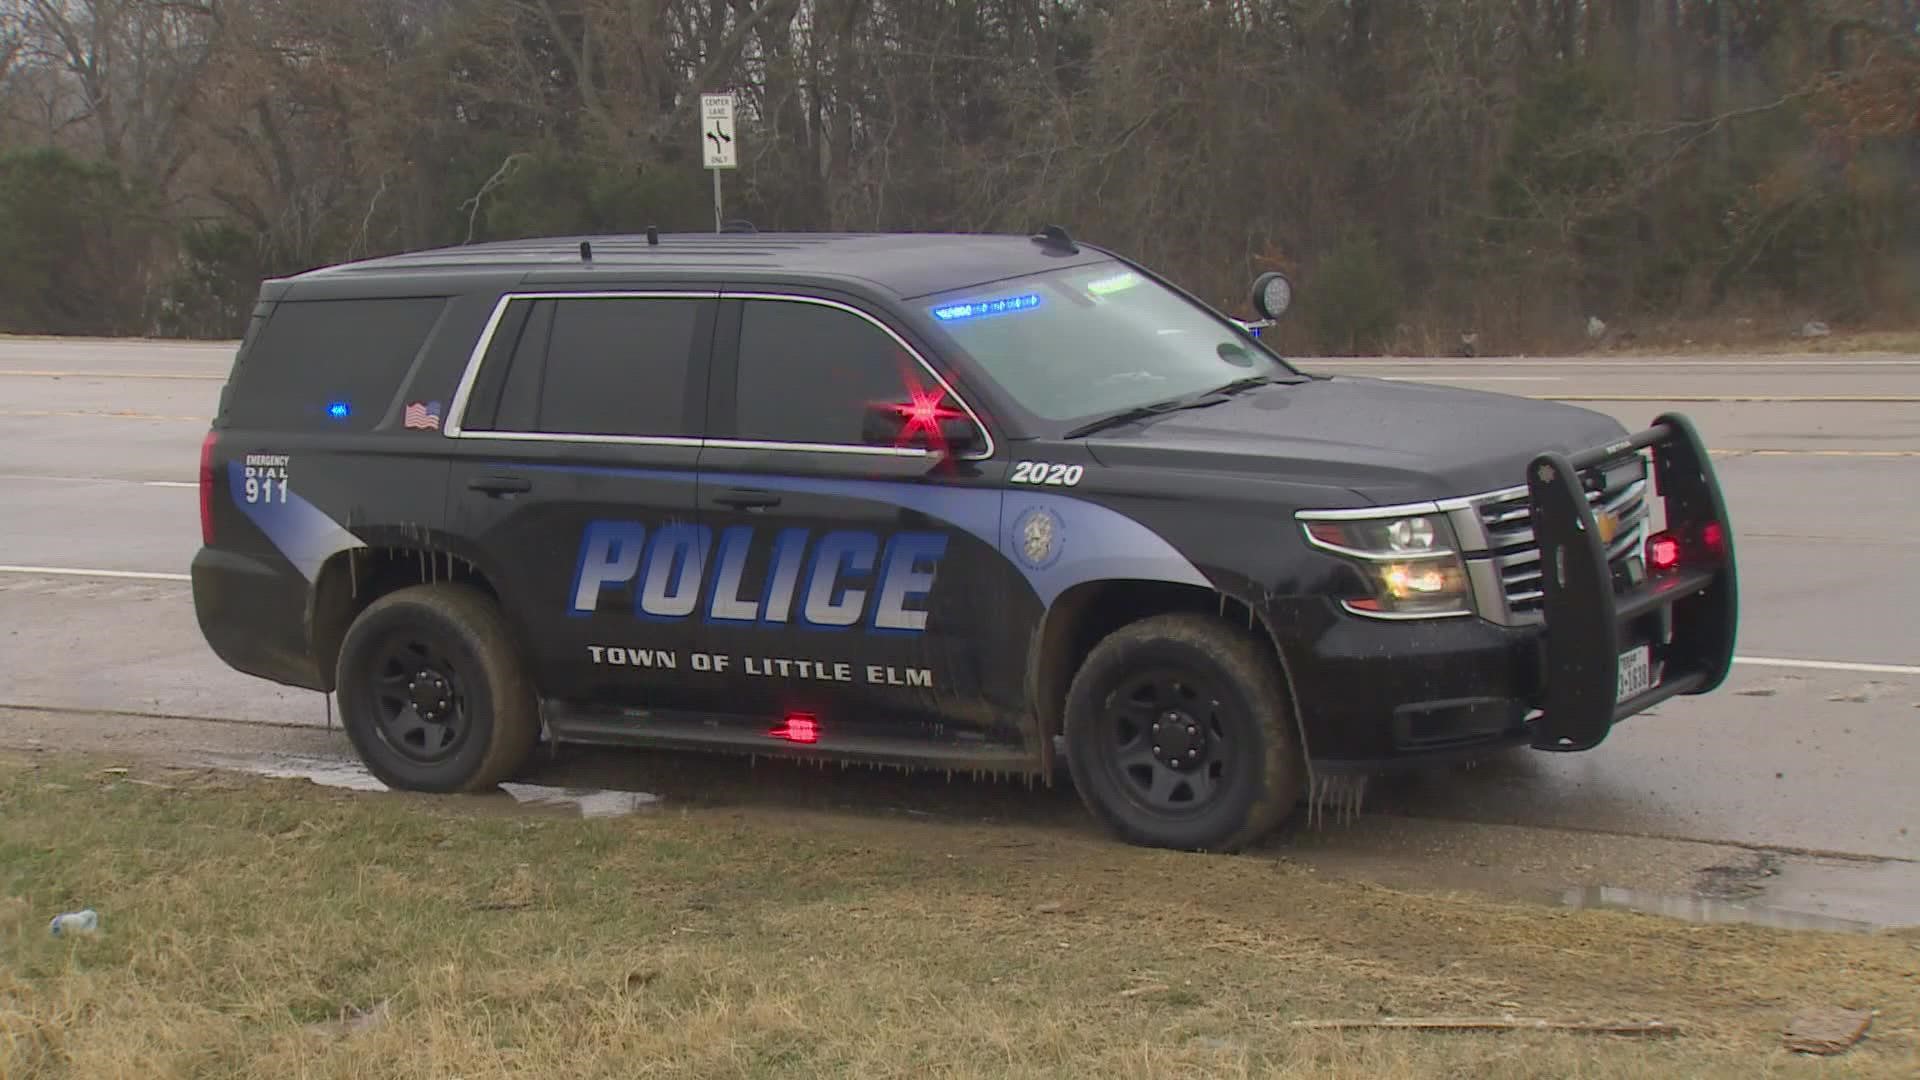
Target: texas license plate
x=1636 y=673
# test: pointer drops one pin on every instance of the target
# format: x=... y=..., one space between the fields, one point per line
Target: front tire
x=433 y=693
x=1178 y=735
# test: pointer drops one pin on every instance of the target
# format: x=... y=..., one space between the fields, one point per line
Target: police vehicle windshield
x=1099 y=339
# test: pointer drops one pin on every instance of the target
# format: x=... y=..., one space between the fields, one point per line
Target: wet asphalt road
x=1812 y=746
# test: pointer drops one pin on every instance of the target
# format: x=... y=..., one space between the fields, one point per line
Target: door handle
x=748 y=499
x=500 y=485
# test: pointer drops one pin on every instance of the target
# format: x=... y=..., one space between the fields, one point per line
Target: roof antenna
x=1055 y=238
x=586 y=251
x=653 y=236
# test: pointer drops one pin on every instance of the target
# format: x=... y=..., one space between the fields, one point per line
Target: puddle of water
x=1886 y=894
x=593 y=802
x=324 y=771
x=1701 y=909
x=332 y=772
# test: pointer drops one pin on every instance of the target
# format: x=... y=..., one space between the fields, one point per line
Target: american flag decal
x=425 y=415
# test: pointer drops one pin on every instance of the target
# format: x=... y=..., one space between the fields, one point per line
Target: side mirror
x=922 y=425
x=1272 y=295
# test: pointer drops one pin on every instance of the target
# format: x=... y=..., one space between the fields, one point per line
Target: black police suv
x=937 y=500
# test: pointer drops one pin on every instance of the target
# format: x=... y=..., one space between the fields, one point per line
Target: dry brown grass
x=243 y=918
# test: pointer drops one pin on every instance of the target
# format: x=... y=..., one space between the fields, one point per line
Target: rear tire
x=1178 y=735
x=433 y=692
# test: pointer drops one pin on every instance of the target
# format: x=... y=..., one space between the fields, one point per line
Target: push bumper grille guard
x=1588 y=623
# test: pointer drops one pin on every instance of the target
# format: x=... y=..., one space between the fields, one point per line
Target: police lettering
x=836 y=581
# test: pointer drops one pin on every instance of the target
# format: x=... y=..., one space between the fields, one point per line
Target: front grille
x=1506 y=521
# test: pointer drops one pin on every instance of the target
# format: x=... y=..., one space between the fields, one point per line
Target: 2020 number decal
x=1040 y=472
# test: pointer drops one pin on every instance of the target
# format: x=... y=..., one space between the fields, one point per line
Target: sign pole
x=718 y=146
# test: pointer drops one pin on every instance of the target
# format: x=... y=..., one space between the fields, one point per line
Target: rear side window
x=808 y=373
x=329 y=364
x=594 y=366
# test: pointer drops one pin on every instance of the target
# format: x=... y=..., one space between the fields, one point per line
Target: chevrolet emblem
x=1609 y=525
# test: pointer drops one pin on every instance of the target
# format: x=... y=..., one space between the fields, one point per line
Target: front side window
x=596 y=366
x=810 y=373
x=1087 y=340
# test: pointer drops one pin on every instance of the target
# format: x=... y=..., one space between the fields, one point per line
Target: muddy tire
x=433 y=691
x=1178 y=735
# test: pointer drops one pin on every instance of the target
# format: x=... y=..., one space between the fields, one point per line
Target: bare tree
x=124 y=71
x=1419 y=164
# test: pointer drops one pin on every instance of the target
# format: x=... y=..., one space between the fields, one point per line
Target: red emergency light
x=799 y=728
x=1663 y=552
x=1667 y=550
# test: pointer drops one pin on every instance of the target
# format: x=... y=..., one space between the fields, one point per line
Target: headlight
x=1410 y=562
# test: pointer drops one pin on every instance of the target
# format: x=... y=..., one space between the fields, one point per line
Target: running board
x=852 y=742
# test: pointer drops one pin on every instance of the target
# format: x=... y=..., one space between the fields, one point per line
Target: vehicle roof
x=905 y=264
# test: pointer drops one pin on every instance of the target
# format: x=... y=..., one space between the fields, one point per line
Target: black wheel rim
x=1168 y=741
x=420 y=706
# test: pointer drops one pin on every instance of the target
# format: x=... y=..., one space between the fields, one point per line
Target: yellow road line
x=73 y=571
x=1763 y=398
x=1817 y=453
x=38 y=374
x=103 y=413
x=1809 y=361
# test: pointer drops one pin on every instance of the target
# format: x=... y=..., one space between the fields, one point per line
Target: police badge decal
x=1038 y=538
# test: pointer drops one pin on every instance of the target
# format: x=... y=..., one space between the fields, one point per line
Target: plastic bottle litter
x=75 y=922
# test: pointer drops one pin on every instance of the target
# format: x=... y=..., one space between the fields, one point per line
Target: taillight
x=206 y=487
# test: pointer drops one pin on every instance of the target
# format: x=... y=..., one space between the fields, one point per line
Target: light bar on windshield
x=983 y=308
x=1107 y=286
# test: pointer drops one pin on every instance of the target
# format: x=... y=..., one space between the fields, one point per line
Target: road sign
x=717 y=139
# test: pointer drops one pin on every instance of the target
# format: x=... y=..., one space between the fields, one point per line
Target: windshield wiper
x=1251 y=381
x=1239 y=385
x=1142 y=412
x=1191 y=401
